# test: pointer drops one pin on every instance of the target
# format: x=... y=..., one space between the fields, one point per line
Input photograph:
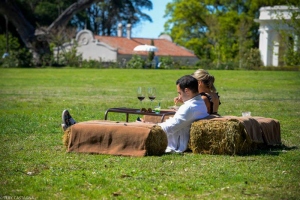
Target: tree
x=221 y=31
x=33 y=38
x=151 y=54
x=102 y=18
x=38 y=22
x=290 y=45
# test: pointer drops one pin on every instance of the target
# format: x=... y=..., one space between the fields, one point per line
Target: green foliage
x=251 y=60
x=186 y=21
x=20 y=58
x=47 y=11
x=220 y=31
x=35 y=165
x=103 y=17
x=91 y=64
x=204 y=64
x=69 y=56
x=166 y=62
x=47 y=60
x=13 y=44
x=290 y=39
x=136 y=62
x=292 y=57
x=42 y=13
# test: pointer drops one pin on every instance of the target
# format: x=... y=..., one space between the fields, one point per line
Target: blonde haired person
x=207 y=91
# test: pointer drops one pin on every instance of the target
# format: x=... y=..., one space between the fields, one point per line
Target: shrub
x=166 y=62
x=252 y=59
x=292 y=58
x=230 y=65
x=91 y=64
x=205 y=64
x=136 y=62
x=20 y=58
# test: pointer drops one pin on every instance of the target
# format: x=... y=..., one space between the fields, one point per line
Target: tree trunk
x=15 y=16
x=35 y=39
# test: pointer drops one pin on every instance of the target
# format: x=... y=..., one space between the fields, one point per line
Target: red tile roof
x=126 y=46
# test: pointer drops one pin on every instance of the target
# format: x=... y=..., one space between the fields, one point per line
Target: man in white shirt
x=177 y=128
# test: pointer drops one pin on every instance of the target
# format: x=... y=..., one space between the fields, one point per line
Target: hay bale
x=219 y=137
x=66 y=137
x=157 y=141
x=105 y=137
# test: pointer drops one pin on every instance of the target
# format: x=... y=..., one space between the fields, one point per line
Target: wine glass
x=151 y=94
x=141 y=94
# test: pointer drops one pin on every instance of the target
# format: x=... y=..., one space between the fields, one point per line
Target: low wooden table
x=134 y=111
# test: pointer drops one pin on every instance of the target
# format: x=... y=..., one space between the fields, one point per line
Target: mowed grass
x=34 y=163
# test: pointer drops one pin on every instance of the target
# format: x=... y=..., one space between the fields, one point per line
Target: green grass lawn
x=34 y=163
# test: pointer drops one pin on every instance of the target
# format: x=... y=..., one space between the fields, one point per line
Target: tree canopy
x=102 y=18
x=220 y=31
x=38 y=22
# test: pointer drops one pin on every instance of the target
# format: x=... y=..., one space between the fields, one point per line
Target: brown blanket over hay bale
x=219 y=136
x=127 y=139
x=252 y=127
x=270 y=130
x=265 y=131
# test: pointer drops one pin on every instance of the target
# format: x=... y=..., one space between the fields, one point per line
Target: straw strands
x=66 y=137
x=156 y=142
x=219 y=137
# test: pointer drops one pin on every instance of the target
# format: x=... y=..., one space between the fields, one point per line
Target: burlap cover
x=270 y=130
x=260 y=129
x=251 y=125
x=127 y=139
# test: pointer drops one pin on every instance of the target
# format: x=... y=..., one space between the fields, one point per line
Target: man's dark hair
x=188 y=81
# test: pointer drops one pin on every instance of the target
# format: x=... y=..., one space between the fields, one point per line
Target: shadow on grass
x=261 y=149
x=274 y=150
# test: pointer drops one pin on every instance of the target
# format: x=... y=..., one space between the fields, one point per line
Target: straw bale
x=156 y=142
x=66 y=137
x=219 y=137
x=151 y=138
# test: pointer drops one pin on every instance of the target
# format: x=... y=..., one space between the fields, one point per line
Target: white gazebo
x=272 y=21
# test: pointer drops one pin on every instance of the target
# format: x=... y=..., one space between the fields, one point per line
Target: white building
x=120 y=48
x=272 y=44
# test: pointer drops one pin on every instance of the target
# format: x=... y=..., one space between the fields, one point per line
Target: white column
x=270 y=48
x=271 y=22
x=263 y=45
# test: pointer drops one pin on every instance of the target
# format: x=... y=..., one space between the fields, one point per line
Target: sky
x=148 y=29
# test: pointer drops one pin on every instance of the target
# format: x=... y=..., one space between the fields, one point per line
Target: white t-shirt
x=177 y=128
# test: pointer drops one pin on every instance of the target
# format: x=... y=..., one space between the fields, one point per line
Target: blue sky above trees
x=152 y=30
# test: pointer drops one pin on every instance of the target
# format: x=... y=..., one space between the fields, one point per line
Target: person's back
x=207 y=90
x=212 y=101
x=216 y=102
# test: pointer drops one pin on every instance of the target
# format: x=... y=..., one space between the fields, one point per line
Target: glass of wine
x=141 y=94
x=151 y=94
